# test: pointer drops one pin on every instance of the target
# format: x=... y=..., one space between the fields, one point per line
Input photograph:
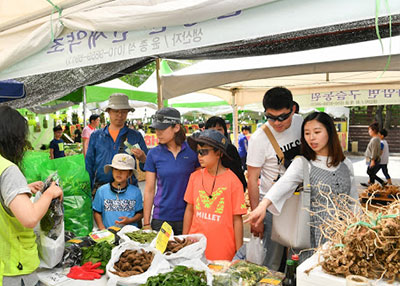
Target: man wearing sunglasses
x=262 y=160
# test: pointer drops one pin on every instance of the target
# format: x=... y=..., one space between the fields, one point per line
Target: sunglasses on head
x=279 y=118
x=204 y=151
x=165 y=119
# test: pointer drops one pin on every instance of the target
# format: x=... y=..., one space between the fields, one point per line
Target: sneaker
x=384 y=184
x=365 y=185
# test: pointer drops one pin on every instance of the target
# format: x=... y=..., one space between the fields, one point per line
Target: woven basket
x=141 y=175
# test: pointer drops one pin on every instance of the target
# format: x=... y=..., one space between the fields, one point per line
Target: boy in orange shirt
x=215 y=198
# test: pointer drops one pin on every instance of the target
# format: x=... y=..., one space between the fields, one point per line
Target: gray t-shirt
x=13 y=183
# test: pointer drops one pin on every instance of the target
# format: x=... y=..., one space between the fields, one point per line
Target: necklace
x=118 y=190
x=215 y=178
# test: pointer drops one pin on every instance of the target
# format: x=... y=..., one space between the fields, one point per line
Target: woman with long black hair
x=18 y=215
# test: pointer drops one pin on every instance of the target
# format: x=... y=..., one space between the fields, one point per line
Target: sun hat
x=165 y=117
x=119 y=101
x=122 y=161
x=210 y=137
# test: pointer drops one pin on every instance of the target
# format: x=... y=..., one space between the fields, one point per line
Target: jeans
x=385 y=171
x=275 y=251
x=371 y=171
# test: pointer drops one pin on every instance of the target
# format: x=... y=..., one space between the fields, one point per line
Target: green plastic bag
x=78 y=215
x=31 y=165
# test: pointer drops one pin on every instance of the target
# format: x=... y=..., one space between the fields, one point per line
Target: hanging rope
x=377 y=12
x=59 y=10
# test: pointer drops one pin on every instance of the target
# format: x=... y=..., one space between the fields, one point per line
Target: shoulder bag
x=292 y=227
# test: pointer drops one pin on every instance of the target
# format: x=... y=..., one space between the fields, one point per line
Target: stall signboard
x=351 y=97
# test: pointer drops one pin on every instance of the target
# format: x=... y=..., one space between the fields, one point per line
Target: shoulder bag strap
x=306 y=193
x=274 y=143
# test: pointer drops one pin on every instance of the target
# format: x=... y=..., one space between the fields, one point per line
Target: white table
x=318 y=277
x=58 y=277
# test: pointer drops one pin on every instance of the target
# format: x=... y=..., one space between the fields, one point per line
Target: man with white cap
x=108 y=141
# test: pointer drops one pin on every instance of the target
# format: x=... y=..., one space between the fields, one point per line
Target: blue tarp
x=11 y=89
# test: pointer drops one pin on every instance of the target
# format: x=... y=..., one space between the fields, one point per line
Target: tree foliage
x=140 y=76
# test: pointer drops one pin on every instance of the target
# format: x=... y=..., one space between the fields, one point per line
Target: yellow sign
x=163 y=236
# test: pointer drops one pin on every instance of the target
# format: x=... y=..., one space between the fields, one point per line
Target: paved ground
x=360 y=172
x=360 y=169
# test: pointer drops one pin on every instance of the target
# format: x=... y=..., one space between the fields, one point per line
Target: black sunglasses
x=203 y=152
x=279 y=118
x=165 y=119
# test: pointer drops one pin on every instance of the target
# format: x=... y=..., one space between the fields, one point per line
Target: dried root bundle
x=362 y=242
x=177 y=244
x=133 y=262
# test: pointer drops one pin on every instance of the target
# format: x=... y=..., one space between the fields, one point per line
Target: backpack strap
x=274 y=143
x=121 y=148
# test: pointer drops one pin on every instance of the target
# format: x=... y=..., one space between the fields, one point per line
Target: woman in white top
x=328 y=167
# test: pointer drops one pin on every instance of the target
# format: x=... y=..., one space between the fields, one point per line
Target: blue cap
x=210 y=137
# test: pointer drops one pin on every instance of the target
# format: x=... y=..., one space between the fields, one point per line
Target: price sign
x=163 y=237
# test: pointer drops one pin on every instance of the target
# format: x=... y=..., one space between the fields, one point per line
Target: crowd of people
x=196 y=184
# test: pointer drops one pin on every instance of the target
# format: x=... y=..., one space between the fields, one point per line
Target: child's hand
x=35 y=186
x=123 y=220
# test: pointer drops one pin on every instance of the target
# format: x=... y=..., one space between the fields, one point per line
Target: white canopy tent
x=194 y=102
x=83 y=33
x=335 y=76
x=348 y=67
x=28 y=26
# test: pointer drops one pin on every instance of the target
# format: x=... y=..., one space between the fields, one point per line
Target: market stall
x=130 y=256
x=317 y=277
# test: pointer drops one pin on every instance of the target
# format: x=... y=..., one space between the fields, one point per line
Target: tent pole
x=84 y=106
x=159 y=90
x=234 y=117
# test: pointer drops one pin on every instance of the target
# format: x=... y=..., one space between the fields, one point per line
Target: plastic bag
x=199 y=265
x=78 y=215
x=255 y=250
x=158 y=265
x=77 y=192
x=130 y=228
x=195 y=250
x=51 y=229
x=73 y=250
x=32 y=165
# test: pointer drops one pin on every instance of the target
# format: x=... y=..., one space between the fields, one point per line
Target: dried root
x=362 y=242
x=133 y=262
x=177 y=244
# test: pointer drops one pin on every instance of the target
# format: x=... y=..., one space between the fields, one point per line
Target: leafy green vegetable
x=141 y=236
x=47 y=223
x=100 y=252
x=248 y=272
x=181 y=275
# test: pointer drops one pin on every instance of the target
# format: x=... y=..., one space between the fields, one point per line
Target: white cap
x=122 y=161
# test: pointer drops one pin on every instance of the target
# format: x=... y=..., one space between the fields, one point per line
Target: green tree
x=138 y=77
